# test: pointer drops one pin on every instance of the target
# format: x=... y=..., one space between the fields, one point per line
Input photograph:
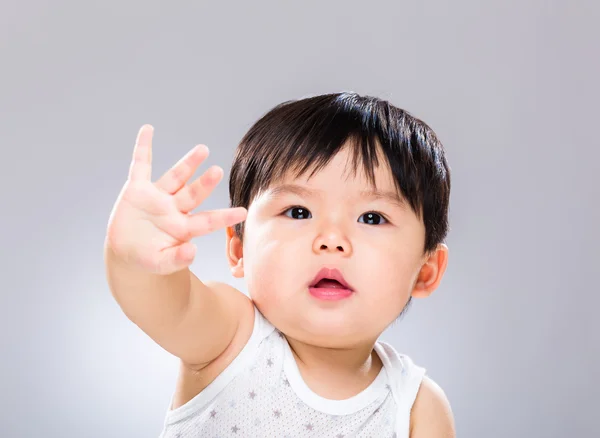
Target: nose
x=332 y=240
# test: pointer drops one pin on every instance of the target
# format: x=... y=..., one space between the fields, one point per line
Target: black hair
x=304 y=135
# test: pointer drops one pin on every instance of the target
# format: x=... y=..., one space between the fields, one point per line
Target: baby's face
x=379 y=255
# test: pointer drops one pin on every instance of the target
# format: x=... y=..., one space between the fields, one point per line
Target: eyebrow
x=391 y=197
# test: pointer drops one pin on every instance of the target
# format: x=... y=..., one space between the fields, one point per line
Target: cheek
x=388 y=271
x=274 y=267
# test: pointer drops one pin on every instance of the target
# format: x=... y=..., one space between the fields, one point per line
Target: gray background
x=510 y=87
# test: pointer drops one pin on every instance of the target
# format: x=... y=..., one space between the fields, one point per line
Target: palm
x=145 y=212
x=151 y=224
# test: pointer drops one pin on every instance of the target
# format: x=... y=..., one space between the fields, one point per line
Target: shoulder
x=431 y=415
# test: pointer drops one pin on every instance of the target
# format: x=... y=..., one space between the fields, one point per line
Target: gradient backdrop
x=511 y=87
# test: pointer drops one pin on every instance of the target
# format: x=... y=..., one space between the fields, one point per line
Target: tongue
x=329 y=284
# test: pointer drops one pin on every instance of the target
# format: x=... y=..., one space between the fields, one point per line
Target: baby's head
x=346 y=182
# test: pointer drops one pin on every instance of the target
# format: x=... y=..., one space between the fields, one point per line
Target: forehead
x=281 y=190
x=346 y=166
x=342 y=175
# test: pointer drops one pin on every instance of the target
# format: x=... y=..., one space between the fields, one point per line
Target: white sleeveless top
x=262 y=394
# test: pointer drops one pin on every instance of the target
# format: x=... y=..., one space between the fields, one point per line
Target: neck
x=336 y=373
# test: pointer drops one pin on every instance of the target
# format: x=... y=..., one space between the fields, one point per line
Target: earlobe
x=431 y=273
x=238 y=270
x=234 y=250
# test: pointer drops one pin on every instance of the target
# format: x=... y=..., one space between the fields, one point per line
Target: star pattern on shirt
x=233 y=405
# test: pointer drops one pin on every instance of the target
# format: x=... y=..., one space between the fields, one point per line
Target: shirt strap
x=405 y=380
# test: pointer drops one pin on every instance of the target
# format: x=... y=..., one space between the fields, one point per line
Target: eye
x=298 y=213
x=373 y=218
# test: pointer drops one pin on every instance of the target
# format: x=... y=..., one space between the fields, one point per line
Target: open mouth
x=329 y=284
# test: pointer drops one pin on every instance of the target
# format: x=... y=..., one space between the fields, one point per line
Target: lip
x=333 y=274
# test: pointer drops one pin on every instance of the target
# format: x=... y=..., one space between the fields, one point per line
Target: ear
x=431 y=272
x=235 y=253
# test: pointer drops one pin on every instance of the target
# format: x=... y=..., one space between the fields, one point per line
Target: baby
x=339 y=211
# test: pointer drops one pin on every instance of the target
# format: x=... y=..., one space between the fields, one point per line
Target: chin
x=337 y=340
x=325 y=329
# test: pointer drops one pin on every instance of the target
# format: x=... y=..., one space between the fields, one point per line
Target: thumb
x=176 y=258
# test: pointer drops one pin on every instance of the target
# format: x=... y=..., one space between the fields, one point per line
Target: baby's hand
x=150 y=227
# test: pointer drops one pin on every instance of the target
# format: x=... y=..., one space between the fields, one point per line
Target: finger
x=176 y=177
x=141 y=163
x=175 y=258
x=192 y=195
x=206 y=222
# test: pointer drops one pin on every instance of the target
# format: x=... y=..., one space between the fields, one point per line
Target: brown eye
x=298 y=213
x=372 y=218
